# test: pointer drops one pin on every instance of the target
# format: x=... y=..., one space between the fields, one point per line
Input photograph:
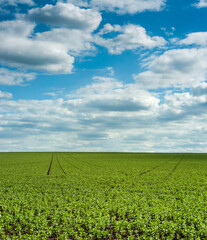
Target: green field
x=103 y=196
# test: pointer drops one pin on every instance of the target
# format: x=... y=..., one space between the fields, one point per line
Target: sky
x=103 y=75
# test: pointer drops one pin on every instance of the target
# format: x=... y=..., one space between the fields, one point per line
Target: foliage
x=103 y=196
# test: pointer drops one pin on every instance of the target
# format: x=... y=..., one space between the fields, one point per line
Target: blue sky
x=103 y=75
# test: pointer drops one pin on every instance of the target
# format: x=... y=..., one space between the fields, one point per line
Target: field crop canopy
x=103 y=196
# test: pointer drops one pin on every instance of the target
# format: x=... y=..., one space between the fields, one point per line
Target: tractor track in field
x=85 y=162
x=60 y=165
x=175 y=167
x=155 y=167
x=48 y=172
x=71 y=163
x=75 y=158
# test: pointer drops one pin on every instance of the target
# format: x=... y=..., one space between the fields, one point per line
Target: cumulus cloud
x=175 y=68
x=80 y=3
x=119 y=117
x=5 y=95
x=16 y=28
x=19 y=50
x=197 y=38
x=182 y=106
x=131 y=37
x=53 y=50
x=71 y=35
x=66 y=15
x=201 y=3
x=77 y=42
x=132 y=7
x=38 y=55
x=106 y=106
x=16 y=2
x=123 y=6
x=9 y=77
x=199 y=89
x=107 y=28
x=108 y=94
x=110 y=71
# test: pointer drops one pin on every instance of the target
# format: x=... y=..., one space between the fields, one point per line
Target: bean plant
x=65 y=195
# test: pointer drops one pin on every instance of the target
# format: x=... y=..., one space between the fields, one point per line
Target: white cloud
x=121 y=6
x=16 y=2
x=197 y=38
x=56 y=93
x=38 y=55
x=5 y=95
x=18 y=50
x=16 y=28
x=199 y=89
x=110 y=71
x=80 y=3
x=108 y=94
x=52 y=94
x=66 y=15
x=74 y=40
x=201 y=3
x=99 y=105
x=119 y=117
x=8 y=77
x=107 y=28
x=51 y=51
x=130 y=6
x=71 y=35
x=169 y=31
x=175 y=68
x=131 y=37
x=181 y=106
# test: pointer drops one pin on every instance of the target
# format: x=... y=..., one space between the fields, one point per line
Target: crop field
x=103 y=196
